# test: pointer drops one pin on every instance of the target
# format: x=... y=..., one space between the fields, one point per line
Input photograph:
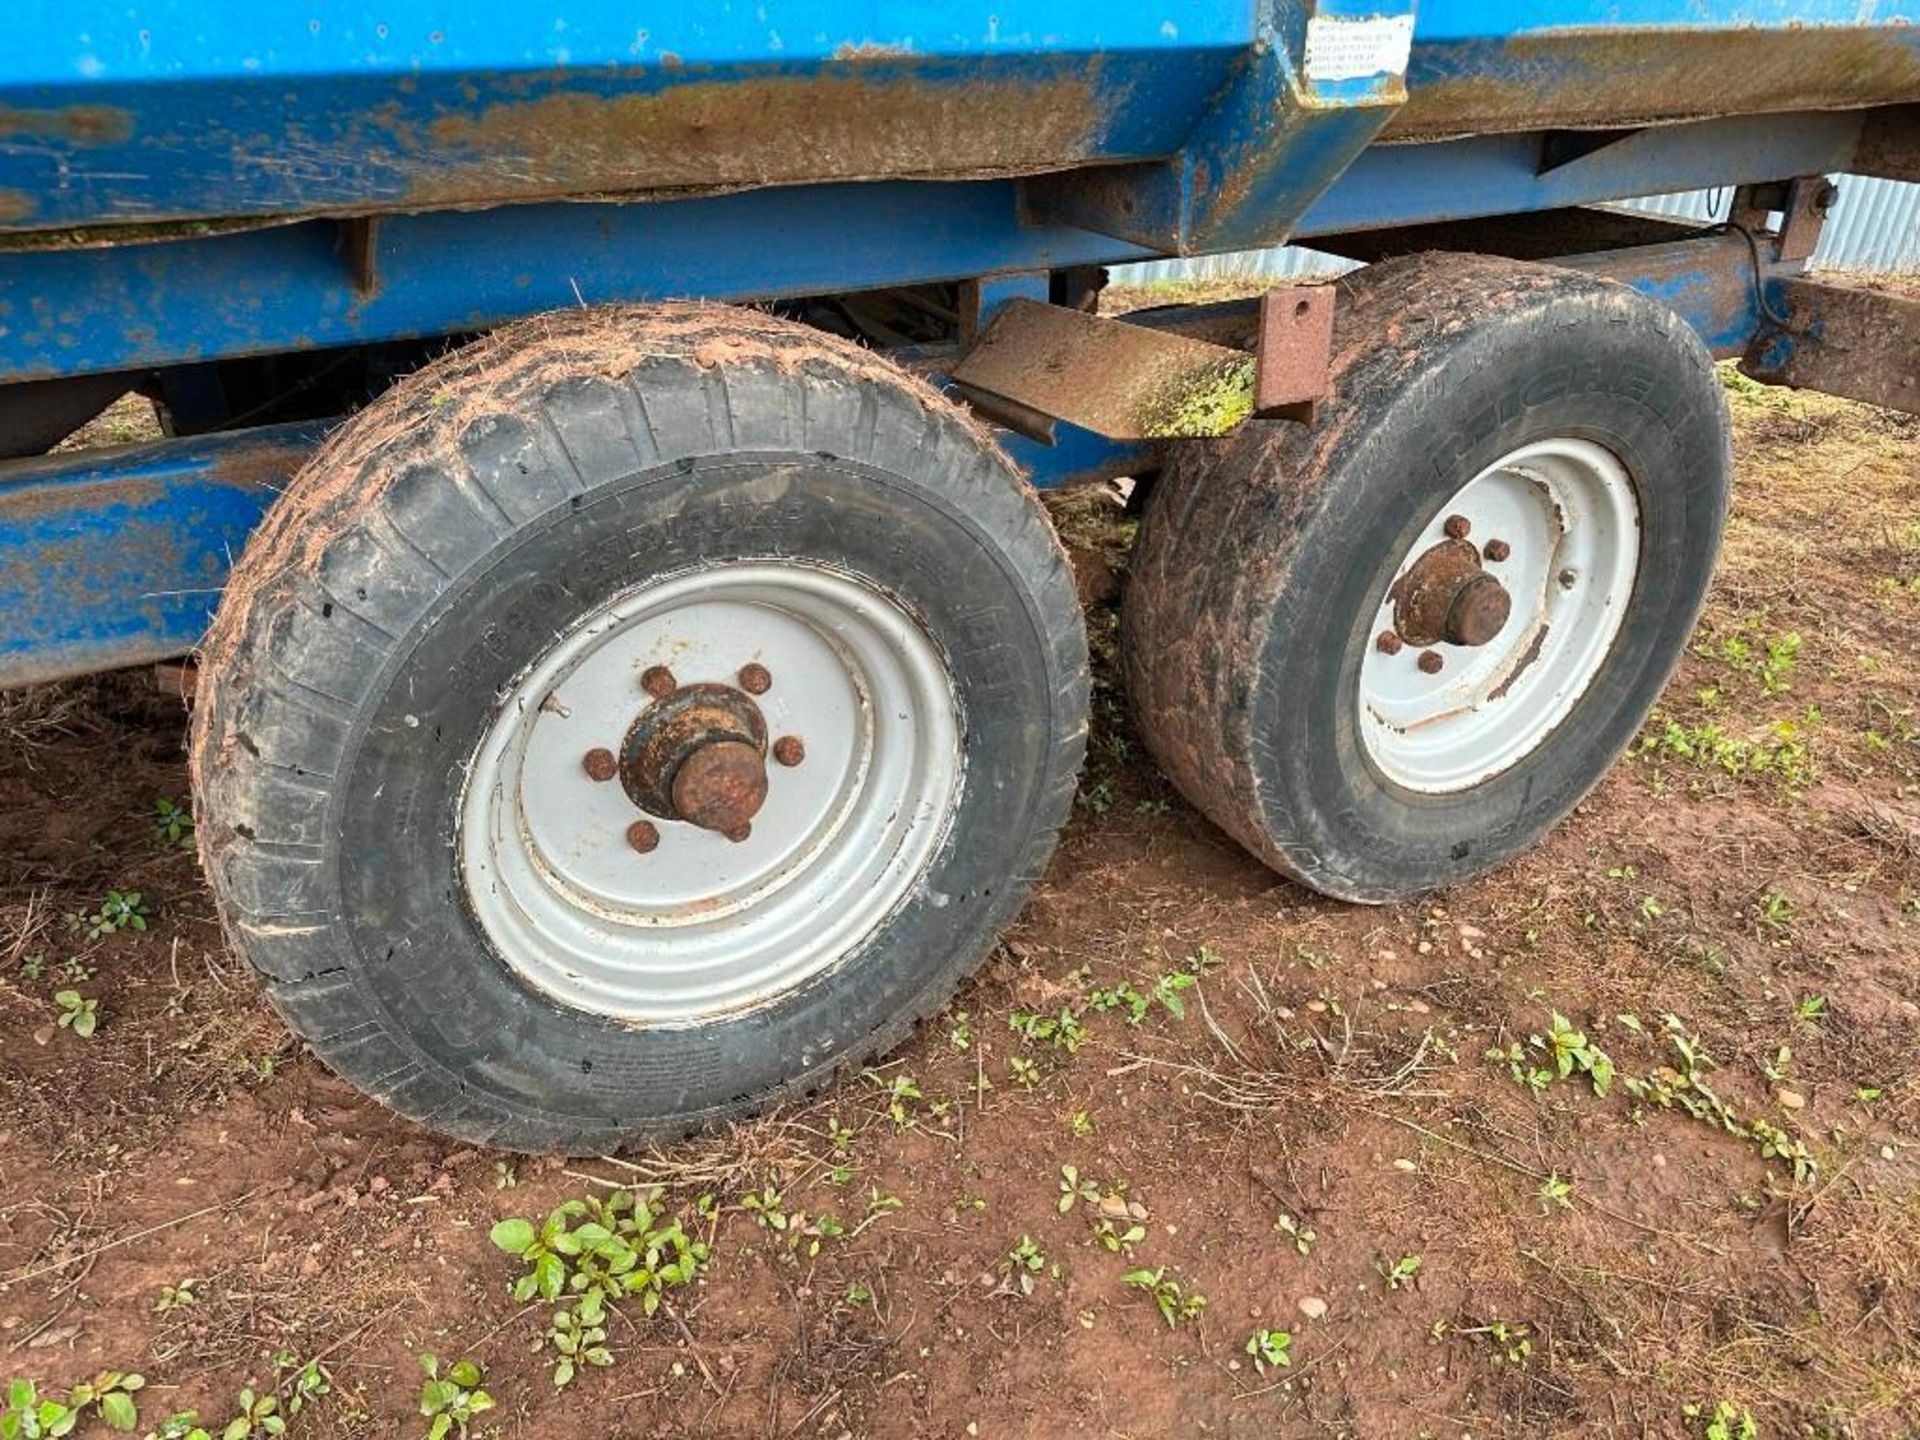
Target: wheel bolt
x=1431 y=661
x=643 y=835
x=789 y=750
x=1457 y=527
x=600 y=764
x=1497 y=550
x=658 y=681
x=1567 y=577
x=739 y=832
x=755 y=679
x=1388 y=642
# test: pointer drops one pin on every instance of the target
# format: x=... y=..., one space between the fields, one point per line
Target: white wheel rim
x=1568 y=511
x=703 y=926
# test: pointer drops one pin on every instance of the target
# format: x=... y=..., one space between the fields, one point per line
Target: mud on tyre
x=583 y=535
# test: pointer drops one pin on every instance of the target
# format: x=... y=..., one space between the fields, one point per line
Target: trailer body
x=185 y=186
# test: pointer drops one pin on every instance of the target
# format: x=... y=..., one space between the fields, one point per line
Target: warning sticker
x=1347 y=49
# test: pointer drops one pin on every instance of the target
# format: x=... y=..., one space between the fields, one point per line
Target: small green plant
x=1097 y=796
x=1061 y=1030
x=451 y=1401
x=301 y=1383
x=1024 y=1263
x=1120 y=996
x=1302 y=1236
x=33 y=966
x=1774 y=911
x=181 y=1425
x=960 y=1033
x=1555 y=1193
x=1167 y=990
x=173 y=823
x=1024 y=1072
x=1811 y=1010
x=611 y=1250
x=1074 y=1189
x=1269 y=1349
x=78 y=1013
x=901 y=1092
x=176 y=1297
x=109 y=1396
x=1725 y=1421
x=1401 y=1273
x=121 y=910
x=1555 y=1055
x=1080 y=1125
x=258 y=1415
x=1169 y=1293
x=578 y=1335
x=1512 y=1343
x=1781 y=752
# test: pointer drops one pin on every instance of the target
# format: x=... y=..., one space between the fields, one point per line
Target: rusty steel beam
x=1126 y=382
x=1890 y=144
x=1041 y=362
x=1841 y=340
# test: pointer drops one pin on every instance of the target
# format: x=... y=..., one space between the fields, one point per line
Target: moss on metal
x=1212 y=403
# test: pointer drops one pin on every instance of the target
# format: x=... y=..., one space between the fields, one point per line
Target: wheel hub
x=1487 y=646
x=697 y=754
x=1445 y=595
x=790 y=762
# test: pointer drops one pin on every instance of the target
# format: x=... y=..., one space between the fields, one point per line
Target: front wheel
x=1387 y=652
x=634 y=720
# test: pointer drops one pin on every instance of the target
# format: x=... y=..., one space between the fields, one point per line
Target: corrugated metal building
x=1874 y=227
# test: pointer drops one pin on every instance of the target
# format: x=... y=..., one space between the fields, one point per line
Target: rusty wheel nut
x=789 y=750
x=755 y=679
x=1457 y=527
x=1497 y=550
x=739 y=832
x=600 y=764
x=1431 y=661
x=1567 y=577
x=643 y=835
x=1388 y=642
x=657 y=681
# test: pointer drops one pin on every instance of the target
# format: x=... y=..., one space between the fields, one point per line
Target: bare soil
x=1753 y=872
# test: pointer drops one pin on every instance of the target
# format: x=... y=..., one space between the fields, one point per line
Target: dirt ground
x=1304 y=1125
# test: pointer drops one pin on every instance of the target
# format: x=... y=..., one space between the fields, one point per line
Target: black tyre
x=697 y=510
x=1278 y=568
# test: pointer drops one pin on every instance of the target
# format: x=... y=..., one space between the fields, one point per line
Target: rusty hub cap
x=1492 y=663
x=702 y=878
x=721 y=786
x=695 y=755
x=1445 y=595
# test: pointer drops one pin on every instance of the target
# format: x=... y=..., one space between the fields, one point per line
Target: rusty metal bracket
x=1808 y=200
x=1296 y=345
x=1842 y=340
x=1039 y=363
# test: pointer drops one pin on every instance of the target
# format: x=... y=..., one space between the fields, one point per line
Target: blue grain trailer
x=635 y=678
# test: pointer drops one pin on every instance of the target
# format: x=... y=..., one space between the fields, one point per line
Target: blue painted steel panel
x=289 y=287
x=118 y=557
x=160 y=109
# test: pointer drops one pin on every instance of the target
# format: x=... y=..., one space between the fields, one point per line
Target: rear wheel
x=1389 y=651
x=633 y=721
